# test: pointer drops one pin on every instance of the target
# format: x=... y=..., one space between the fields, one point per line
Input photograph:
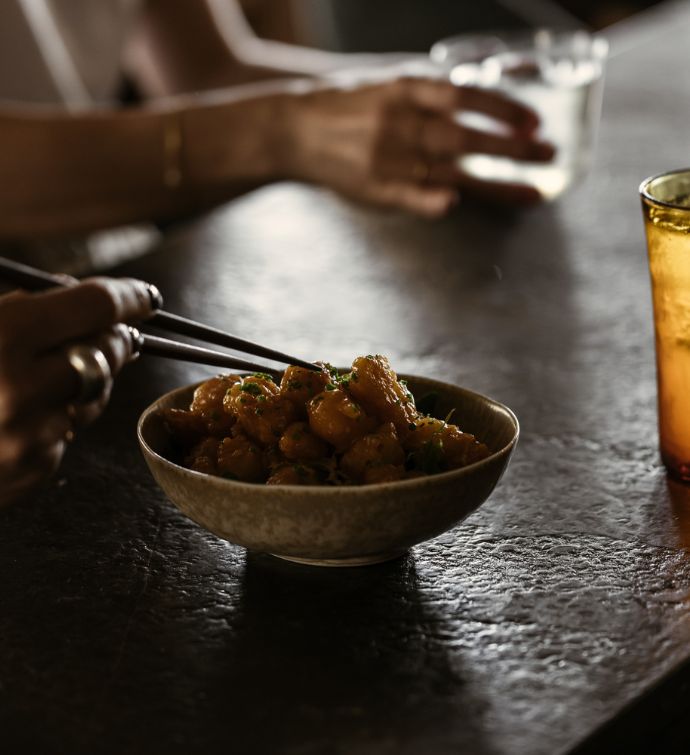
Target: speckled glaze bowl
x=338 y=526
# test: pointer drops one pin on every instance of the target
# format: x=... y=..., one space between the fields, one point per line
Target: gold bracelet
x=172 y=149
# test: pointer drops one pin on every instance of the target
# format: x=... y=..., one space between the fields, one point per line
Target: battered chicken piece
x=337 y=419
x=436 y=446
x=205 y=415
x=239 y=458
x=299 y=443
x=260 y=409
x=204 y=456
x=185 y=428
x=316 y=428
x=300 y=385
x=372 y=453
x=208 y=403
x=384 y=473
x=377 y=388
x=294 y=474
x=322 y=472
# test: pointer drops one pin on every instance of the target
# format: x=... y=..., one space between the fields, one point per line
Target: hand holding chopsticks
x=35 y=280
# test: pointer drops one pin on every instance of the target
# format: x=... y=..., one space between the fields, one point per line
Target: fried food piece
x=337 y=419
x=299 y=385
x=294 y=474
x=322 y=472
x=436 y=446
x=260 y=409
x=377 y=388
x=317 y=428
x=286 y=474
x=298 y=443
x=208 y=404
x=379 y=449
x=185 y=427
x=240 y=458
x=383 y=473
x=205 y=415
x=204 y=456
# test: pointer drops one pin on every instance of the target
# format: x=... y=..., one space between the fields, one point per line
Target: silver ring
x=93 y=370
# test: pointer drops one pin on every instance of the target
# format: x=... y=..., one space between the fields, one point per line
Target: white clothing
x=69 y=53
x=63 y=51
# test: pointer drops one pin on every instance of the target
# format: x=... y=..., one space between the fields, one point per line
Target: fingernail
x=545 y=150
x=67 y=280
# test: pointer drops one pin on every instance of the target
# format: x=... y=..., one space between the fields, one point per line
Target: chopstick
x=183 y=326
x=36 y=280
x=184 y=352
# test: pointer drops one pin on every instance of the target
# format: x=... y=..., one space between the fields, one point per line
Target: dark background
x=386 y=25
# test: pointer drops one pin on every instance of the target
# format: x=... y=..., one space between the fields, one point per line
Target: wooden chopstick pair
x=32 y=279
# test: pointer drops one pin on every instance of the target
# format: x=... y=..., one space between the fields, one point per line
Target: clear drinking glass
x=558 y=74
x=666 y=209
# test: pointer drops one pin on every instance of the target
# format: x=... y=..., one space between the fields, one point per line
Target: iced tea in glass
x=666 y=208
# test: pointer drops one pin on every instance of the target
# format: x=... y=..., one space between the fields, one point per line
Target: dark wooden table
x=125 y=628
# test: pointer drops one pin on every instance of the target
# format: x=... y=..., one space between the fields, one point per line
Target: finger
x=501 y=193
x=67 y=280
x=83 y=415
x=419 y=130
x=497 y=105
x=444 y=172
x=18 y=483
x=54 y=317
x=438 y=135
x=26 y=443
x=51 y=380
x=428 y=202
x=443 y=97
x=437 y=95
x=418 y=168
x=117 y=346
x=10 y=296
x=517 y=147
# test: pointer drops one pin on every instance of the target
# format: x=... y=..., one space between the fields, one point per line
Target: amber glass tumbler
x=666 y=208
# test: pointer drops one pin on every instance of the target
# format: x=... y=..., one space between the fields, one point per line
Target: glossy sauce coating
x=317 y=428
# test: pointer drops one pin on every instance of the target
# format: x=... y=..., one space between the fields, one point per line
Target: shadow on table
x=326 y=660
x=186 y=646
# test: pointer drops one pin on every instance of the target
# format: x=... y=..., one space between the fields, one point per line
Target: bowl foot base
x=374 y=558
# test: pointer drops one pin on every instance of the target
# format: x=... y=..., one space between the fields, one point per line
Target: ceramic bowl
x=338 y=526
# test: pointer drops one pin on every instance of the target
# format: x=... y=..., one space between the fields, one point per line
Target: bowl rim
x=316 y=490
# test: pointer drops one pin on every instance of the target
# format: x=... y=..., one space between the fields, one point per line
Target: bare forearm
x=65 y=174
x=281 y=59
x=193 y=45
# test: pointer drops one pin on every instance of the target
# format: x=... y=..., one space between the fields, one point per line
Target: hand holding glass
x=559 y=75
